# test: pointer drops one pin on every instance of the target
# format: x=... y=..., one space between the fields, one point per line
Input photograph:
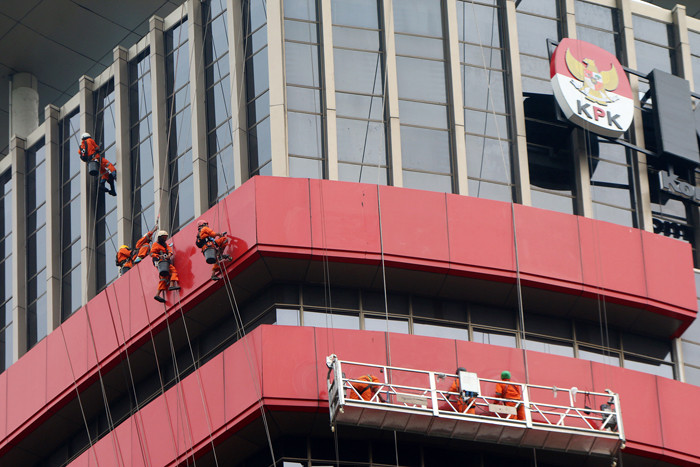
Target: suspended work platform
x=560 y=419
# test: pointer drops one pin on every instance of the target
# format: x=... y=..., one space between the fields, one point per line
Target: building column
x=328 y=88
x=54 y=271
x=123 y=145
x=639 y=160
x=239 y=112
x=569 y=19
x=456 y=101
x=278 y=103
x=19 y=247
x=24 y=104
x=159 y=116
x=392 y=97
x=521 y=169
x=87 y=198
x=200 y=156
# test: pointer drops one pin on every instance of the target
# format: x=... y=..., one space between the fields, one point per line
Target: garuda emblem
x=592 y=83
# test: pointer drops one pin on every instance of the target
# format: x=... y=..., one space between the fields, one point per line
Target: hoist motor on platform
x=427 y=402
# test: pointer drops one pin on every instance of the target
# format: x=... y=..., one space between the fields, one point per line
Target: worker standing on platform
x=208 y=239
x=366 y=389
x=126 y=257
x=512 y=392
x=90 y=151
x=461 y=403
x=162 y=254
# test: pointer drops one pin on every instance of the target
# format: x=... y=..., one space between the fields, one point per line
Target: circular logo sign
x=591 y=87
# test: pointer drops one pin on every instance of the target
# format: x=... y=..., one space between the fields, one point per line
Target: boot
x=112 y=186
x=103 y=187
x=214 y=277
x=174 y=286
x=158 y=298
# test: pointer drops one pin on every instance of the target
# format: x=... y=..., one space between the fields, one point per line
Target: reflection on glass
x=331 y=320
x=494 y=338
x=549 y=346
x=384 y=325
x=600 y=356
x=287 y=317
x=445 y=332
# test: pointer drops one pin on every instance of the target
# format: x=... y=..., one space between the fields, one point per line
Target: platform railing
x=419 y=392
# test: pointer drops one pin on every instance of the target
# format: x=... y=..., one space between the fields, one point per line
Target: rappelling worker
x=90 y=151
x=207 y=238
x=162 y=252
x=512 y=392
x=126 y=257
x=365 y=389
x=461 y=402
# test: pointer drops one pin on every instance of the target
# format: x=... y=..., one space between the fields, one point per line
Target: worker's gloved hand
x=223 y=234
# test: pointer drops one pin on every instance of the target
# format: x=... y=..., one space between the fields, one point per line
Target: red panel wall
x=302 y=218
x=659 y=414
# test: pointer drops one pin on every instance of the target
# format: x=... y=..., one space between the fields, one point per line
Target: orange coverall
x=158 y=250
x=461 y=405
x=89 y=150
x=505 y=390
x=125 y=258
x=207 y=232
x=365 y=390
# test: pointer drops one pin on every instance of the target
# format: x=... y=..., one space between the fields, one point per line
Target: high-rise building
x=404 y=197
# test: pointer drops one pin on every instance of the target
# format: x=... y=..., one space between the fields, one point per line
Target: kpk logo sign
x=591 y=87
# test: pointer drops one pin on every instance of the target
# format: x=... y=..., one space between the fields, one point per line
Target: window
x=35 y=195
x=422 y=84
x=6 y=274
x=612 y=181
x=598 y=25
x=538 y=20
x=360 y=90
x=486 y=113
x=141 y=144
x=179 y=131
x=302 y=50
x=218 y=100
x=257 y=87
x=106 y=218
x=71 y=285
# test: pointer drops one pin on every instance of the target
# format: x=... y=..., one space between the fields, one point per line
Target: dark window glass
x=106 y=215
x=257 y=84
x=71 y=297
x=598 y=25
x=218 y=100
x=538 y=20
x=35 y=202
x=179 y=130
x=6 y=274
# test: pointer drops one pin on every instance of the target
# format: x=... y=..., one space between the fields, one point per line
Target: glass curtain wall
x=610 y=165
x=179 y=130
x=218 y=100
x=106 y=216
x=6 y=271
x=71 y=284
x=302 y=54
x=141 y=146
x=486 y=113
x=694 y=39
x=257 y=85
x=359 y=60
x=549 y=143
x=35 y=195
x=426 y=149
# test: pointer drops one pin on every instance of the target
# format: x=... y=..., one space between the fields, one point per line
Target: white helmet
x=85 y=136
x=162 y=233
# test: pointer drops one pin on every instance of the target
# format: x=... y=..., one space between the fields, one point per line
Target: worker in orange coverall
x=89 y=150
x=460 y=403
x=207 y=238
x=365 y=390
x=512 y=392
x=162 y=251
x=126 y=257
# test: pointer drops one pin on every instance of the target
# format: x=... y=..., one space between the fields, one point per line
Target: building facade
x=401 y=191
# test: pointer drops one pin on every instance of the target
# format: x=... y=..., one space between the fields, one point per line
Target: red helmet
x=201 y=223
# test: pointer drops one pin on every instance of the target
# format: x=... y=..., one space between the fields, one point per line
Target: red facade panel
x=242 y=385
x=612 y=259
x=26 y=387
x=414 y=225
x=480 y=235
x=549 y=251
x=283 y=216
x=282 y=213
x=668 y=266
x=3 y=405
x=344 y=218
x=680 y=411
